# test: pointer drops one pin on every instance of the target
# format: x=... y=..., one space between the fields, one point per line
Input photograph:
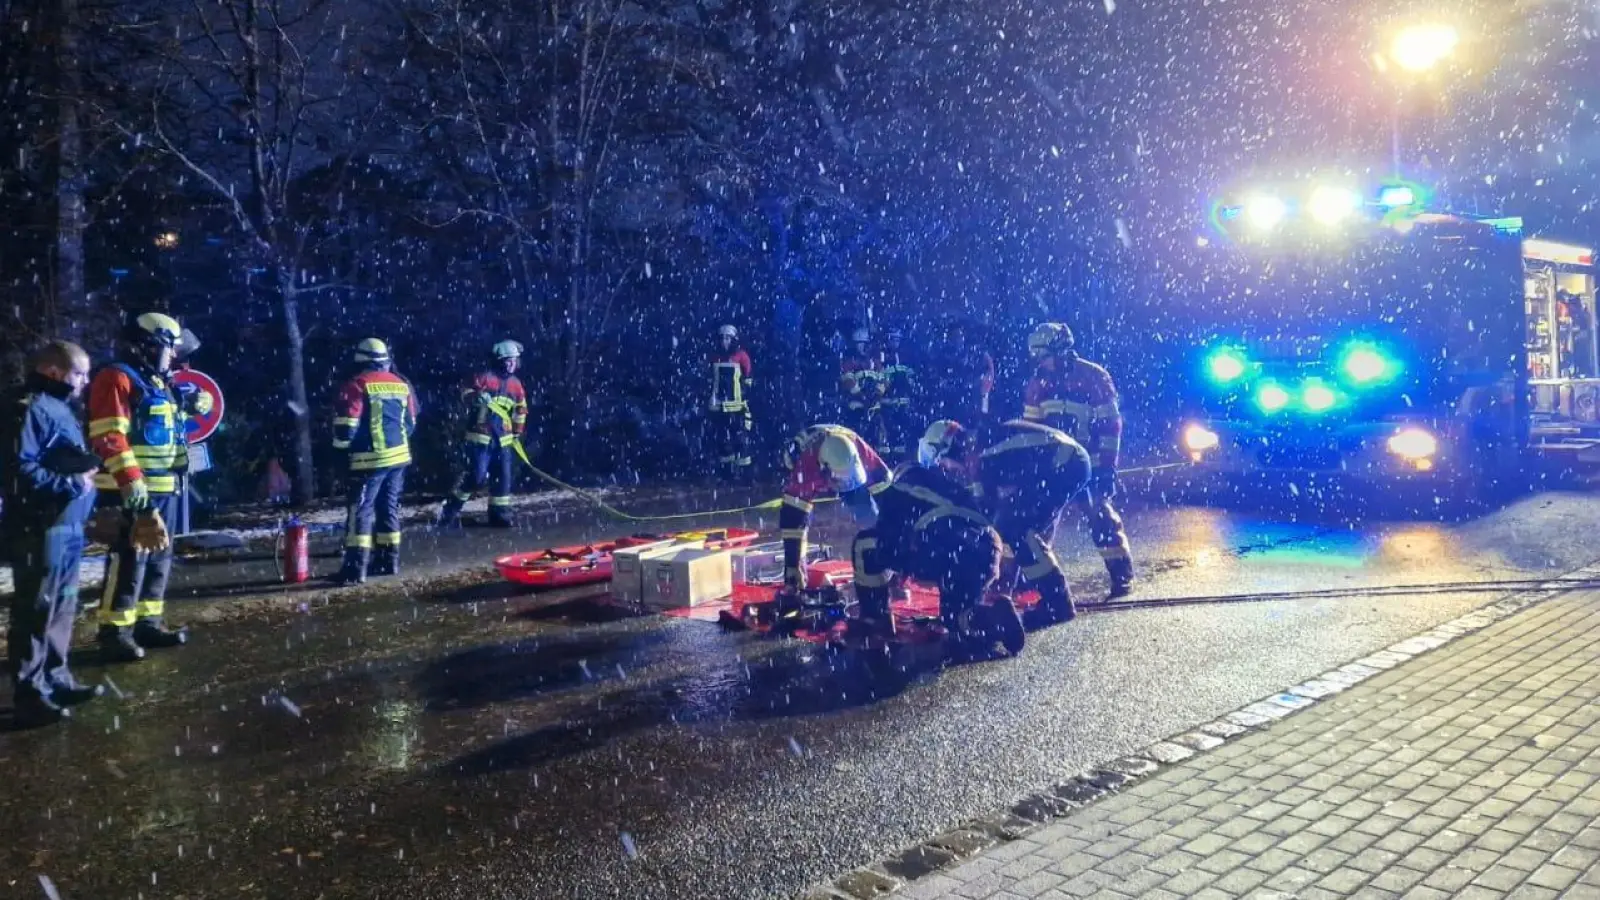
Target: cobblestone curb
x=1035 y=811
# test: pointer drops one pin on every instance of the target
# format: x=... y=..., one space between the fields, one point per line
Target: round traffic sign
x=200 y=427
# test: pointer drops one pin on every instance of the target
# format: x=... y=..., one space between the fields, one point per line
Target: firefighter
x=823 y=461
x=1078 y=397
x=136 y=426
x=1023 y=475
x=49 y=495
x=861 y=386
x=730 y=406
x=497 y=419
x=960 y=376
x=374 y=417
x=901 y=426
x=928 y=529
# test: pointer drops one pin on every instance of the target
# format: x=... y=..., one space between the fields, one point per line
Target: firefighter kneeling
x=823 y=461
x=928 y=530
x=1024 y=481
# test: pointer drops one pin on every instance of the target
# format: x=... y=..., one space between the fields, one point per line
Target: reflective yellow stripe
x=463 y=496
x=155 y=457
x=1032 y=413
x=880 y=487
x=155 y=484
x=1045 y=560
x=150 y=609
x=346 y=421
x=476 y=438
x=386 y=390
x=381 y=459
x=499 y=501
x=120 y=618
x=795 y=502
x=929 y=497
x=792 y=534
x=1106 y=410
x=1026 y=440
x=359 y=541
x=507 y=440
x=102 y=427
x=340 y=445
x=387 y=539
x=121 y=461
x=946 y=512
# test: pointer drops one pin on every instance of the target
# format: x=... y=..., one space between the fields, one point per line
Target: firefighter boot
x=149 y=632
x=385 y=561
x=1121 y=572
x=354 y=570
x=500 y=517
x=874 y=624
x=1055 y=599
x=450 y=514
x=117 y=645
x=1003 y=624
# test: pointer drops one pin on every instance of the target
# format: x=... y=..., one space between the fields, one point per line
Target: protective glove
x=1103 y=483
x=195 y=401
x=136 y=496
x=150 y=533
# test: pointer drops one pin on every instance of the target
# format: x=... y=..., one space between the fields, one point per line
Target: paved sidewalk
x=1472 y=771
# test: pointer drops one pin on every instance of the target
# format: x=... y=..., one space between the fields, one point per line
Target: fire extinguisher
x=296 y=552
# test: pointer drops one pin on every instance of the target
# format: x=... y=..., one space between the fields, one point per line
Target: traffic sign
x=200 y=427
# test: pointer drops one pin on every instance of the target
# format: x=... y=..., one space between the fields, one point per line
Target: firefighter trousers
x=961 y=557
x=480 y=462
x=1109 y=535
x=1027 y=524
x=730 y=438
x=43 y=609
x=372 y=519
x=136 y=583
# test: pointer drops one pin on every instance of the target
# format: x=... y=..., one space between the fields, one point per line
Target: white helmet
x=508 y=350
x=860 y=336
x=728 y=331
x=943 y=438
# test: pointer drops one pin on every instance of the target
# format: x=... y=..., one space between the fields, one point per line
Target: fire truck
x=1356 y=334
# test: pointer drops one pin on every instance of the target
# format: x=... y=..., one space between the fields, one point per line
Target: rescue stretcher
x=556 y=567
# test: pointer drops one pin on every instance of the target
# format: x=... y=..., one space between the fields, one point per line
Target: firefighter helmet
x=508 y=350
x=372 y=350
x=154 y=329
x=728 y=331
x=1050 y=339
x=943 y=438
x=860 y=336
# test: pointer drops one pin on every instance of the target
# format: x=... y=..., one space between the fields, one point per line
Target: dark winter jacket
x=44 y=453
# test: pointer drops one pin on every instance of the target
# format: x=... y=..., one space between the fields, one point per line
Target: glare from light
x=1419 y=48
x=1397 y=196
x=1272 y=398
x=1265 y=212
x=1413 y=444
x=1333 y=205
x=1198 y=439
x=1224 y=366
x=1365 y=365
x=1318 y=397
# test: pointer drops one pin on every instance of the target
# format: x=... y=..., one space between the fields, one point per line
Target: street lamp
x=1418 y=50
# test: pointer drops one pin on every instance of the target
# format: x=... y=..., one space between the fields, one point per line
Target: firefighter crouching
x=730 y=405
x=497 y=419
x=374 y=417
x=823 y=461
x=861 y=387
x=136 y=427
x=1078 y=397
x=1023 y=475
x=927 y=529
x=902 y=426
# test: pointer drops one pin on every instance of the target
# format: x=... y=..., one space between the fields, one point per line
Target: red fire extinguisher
x=296 y=552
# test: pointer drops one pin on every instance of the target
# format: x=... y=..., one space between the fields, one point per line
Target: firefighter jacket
x=1029 y=460
x=828 y=460
x=373 y=418
x=899 y=380
x=917 y=497
x=861 y=381
x=730 y=380
x=136 y=426
x=497 y=409
x=45 y=457
x=1079 y=398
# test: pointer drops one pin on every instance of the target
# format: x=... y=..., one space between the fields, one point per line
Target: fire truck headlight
x=1265 y=212
x=1225 y=366
x=1318 y=397
x=1365 y=364
x=1333 y=205
x=1414 y=444
x=1198 y=439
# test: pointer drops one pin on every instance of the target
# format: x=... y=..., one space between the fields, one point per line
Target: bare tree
x=248 y=100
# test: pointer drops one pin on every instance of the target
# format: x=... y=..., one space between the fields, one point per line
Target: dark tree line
x=608 y=180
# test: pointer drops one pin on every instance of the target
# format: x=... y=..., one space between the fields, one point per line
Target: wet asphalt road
x=496 y=746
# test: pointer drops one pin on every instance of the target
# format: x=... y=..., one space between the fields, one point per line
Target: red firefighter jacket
x=374 y=417
x=498 y=409
x=1080 y=399
x=136 y=426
